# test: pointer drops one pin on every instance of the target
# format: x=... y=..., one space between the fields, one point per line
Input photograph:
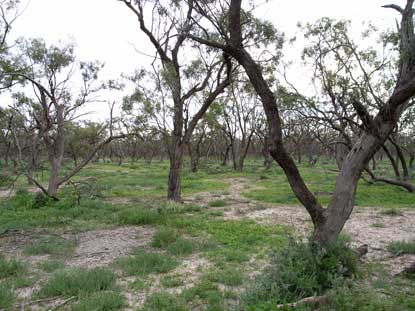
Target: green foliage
x=301 y=270
x=164 y=302
x=401 y=247
x=142 y=263
x=51 y=245
x=7 y=296
x=78 y=282
x=101 y=301
x=11 y=268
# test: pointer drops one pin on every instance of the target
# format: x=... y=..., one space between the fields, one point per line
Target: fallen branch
x=62 y=303
x=309 y=300
x=21 y=306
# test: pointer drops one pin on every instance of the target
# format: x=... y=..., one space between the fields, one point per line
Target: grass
x=182 y=247
x=217 y=203
x=7 y=297
x=78 y=282
x=11 y=268
x=229 y=276
x=101 y=301
x=51 y=265
x=164 y=302
x=142 y=263
x=170 y=281
x=183 y=229
x=51 y=245
x=401 y=247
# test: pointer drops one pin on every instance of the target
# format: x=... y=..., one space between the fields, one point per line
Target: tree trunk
x=174 y=182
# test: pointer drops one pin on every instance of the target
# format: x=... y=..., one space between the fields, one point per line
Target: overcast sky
x=106 y=30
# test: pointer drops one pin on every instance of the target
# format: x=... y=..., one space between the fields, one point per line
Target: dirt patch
x=366 y=225
x=101 y=247
x=190 y=270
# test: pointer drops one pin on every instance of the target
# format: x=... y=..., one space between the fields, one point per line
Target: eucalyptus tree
x=187 y=78
x=54 y=100
x=240 y=116
x=376 y=126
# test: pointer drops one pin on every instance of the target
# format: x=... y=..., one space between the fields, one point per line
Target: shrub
x=300 y=270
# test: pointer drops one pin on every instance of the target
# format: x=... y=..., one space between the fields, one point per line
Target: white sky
x=105 y=29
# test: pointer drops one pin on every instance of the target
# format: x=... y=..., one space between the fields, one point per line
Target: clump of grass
x=164 y=237
x=164 y=302
x=101 y=301
x=391 y=212
x=170 y=281
x=143 y=263
x=169 y=239
x=401 y=247
x=301 y=270
x=205 y=293
x=51 y=245
x=11 y=268
x=357 y=297
x=378 y=225
x=227 y=276
x=182 y=247
x=140 y=216
x=51 y=265
x=7 y=297
x=217 y=203
x=138 y=285
x=78 y=282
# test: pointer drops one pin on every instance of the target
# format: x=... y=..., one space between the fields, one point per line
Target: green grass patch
x=170 y=281
x=164 y=237
x=217 y=203
x=51 y=265
x=101 y=301
x=78 y=282
x=142 y=263
x=11 y=268
x=7 y=296
x=229 y=276
x=51 y=245
x=164 y=302
x=401 y=247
